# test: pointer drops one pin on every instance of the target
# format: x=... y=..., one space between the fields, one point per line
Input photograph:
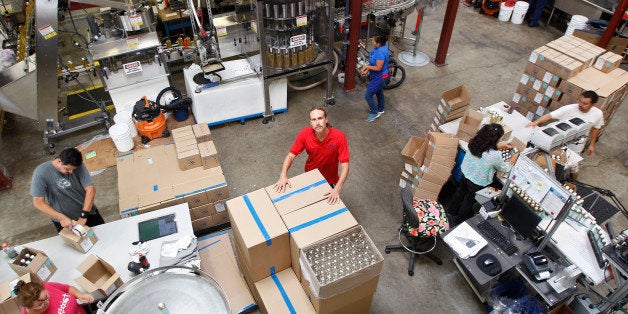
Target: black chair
x=418 y=244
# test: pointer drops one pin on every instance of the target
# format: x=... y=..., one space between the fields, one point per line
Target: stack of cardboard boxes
x=453 y=105
x=158 y=177
x=428 y=163
x=271 y=229
x=195 y=147
x=558 y=72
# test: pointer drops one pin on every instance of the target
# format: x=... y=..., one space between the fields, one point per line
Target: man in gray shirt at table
x=63 y=190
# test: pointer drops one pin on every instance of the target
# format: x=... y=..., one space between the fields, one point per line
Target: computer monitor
x=520 y=216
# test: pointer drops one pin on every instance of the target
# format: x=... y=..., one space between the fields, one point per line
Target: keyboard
x=502 y=242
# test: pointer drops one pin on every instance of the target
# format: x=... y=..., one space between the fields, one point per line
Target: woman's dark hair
x=486 y=138
x=28 y=293
x=381 y=39
x=71 y=156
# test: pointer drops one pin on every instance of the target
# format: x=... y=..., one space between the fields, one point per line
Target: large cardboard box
x=608 y=62
x=8 y=300
x=98 y=277
x=469 y=125
x=218 y=260
x=357 y=277
x=40 y=267
x=616 y=44
x=82 y=244
x=307 y=188
x=456 y=98
x=282 y=293
x=441 y=145
x=356 y=300
x=414 y=151
x=260 y=233
x=314 y=223
x=151 y=179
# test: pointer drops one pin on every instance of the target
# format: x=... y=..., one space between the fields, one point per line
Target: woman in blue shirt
x=478 y=168
x=378 y=68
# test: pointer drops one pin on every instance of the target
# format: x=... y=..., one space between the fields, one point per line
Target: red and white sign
x=301 y=20
x=136 y=20
x=298 y=40
x=132 y=41
x=132 y=67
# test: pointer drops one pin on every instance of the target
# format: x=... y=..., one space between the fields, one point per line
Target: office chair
x=423 y=221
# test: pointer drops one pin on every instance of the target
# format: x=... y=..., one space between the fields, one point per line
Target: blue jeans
x=535 y=10
x=375 y=87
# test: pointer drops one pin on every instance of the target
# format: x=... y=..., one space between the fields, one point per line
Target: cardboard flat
x=356 y=300
x=41 y=268
x=282 y=293
x=314 y=223
x=218 y=260
x=414 y=151
x=260 y=233
x=307 y=188
x=98 y=277
x=82 y=244
x=103 y=154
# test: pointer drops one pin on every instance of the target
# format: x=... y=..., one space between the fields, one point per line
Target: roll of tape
x=79 y=230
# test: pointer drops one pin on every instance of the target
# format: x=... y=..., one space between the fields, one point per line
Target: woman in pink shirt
x=50 y=297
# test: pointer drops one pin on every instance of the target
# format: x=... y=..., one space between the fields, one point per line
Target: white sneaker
x=379 y=114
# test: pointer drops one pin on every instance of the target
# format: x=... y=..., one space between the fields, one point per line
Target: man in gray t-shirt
x=63 y=190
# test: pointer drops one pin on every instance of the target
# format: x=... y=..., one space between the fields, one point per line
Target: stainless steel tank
x=168 y=290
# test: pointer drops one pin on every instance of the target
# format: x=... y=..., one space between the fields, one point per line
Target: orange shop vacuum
x=149 y=120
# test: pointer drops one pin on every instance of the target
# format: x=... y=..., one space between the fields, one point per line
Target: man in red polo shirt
x=326 y=148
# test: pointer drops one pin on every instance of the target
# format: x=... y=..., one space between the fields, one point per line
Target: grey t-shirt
x=64 y=192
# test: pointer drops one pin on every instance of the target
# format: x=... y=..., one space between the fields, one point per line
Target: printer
x=582 y=128
x=538 y=265
x=567 y=130
x=546 y=138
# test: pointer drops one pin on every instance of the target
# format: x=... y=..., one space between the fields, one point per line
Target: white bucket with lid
x=519 y=12
x=125 y=117
x=121 y=136
x=505 y=12
x=576 y=22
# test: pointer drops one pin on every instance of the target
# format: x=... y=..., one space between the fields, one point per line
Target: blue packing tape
x=155 y=187
x=247 y=308
x=206 y=246
x=317 y=220
x=301 y=190
x=283 y=293
x=259 y=223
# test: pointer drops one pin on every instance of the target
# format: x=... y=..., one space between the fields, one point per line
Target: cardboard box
x=203 y=223
x=282 y=293
x=221 y=218
x=435 y=173
x=414 y=151
x=209 y=155
x=202 y=211
x=356 y=300
x=247 y=273
x=424 y=194
x=218 y=260
x=314 y=223
x=616 y=44
x=197 y=199
x=457 y=97
x=469 y=125
x=8 y=300
x=441 y=145
x=40 y=267
x=82 y=244
x=201 y=132
x=307 y=188
x=608 y=62
x=260 y=233
x=98 y=277
x=348 y=282
x=189 y=159
x=182 y=131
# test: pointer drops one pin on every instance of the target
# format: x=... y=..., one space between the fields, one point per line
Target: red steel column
x=355 y=9
x=613 y=23
x=445 y=34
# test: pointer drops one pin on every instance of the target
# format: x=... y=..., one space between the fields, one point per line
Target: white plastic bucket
x=577 y=22
x=125 y=117
x=505 y=12
x=519 y=12
x=121 y=136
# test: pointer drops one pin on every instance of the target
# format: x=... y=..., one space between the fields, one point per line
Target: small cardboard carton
x=40 y=266
x=441 y=145
x=314 y=223
x=260 y=234
x=457 y=97
x=360 y=275
x=218 y=260
x=201 y=132
x=203 y=223
x=189 y=158
x=82 y=244
x=307 y=188
x=469 y=125
x=209 y=154
x=414 y=151
x=8 y=300
x=98 y=277
x=282 y=293
x=356 y=300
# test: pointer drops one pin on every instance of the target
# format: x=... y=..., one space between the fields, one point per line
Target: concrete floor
x=486 y=55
